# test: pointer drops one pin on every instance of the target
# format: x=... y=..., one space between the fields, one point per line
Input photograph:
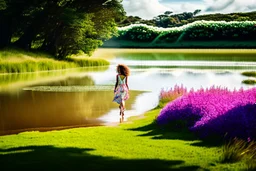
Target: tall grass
x=236 y=150
x=19 y=53
x=17 y=61
x=171 y=94
x=88 y=62
x=32 y=66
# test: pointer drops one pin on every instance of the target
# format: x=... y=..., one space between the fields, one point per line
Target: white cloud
x=229 y=6
x=146 y=9
x=218 y=5
x=185 y=7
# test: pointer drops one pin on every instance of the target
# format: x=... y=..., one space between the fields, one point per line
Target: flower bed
x=214 y=112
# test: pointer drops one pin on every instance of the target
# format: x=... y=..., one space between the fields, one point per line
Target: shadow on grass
x=174 y=131
x=54 y=158
x=165 y=132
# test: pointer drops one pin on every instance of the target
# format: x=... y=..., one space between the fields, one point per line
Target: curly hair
x=123 y=69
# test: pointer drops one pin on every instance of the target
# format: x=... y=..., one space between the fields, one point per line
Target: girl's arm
x=127 y=83
x=116 y=82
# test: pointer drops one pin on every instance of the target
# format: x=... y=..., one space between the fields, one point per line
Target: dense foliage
x=213 y=112
x=196 y=31
x=60 y=27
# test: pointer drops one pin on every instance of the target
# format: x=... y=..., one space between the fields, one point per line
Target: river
x=82 y=97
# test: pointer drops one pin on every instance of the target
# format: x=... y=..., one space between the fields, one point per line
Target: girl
x=121 y=87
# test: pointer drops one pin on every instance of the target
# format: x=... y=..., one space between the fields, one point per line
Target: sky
x=147 y=9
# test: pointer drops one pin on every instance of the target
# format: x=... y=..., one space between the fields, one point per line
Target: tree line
x=59 y=27
x=168 y=19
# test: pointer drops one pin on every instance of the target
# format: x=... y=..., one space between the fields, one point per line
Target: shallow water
x=83 y=97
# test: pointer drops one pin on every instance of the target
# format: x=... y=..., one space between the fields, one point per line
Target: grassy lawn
x=135 y=145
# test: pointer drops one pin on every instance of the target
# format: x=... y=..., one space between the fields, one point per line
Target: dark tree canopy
x=2 y=5
x=60 y=27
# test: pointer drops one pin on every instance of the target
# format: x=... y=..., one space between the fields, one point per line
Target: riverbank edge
x=181 y=45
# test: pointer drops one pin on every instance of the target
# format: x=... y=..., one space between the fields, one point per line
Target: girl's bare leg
x=123 y=105
x=122 y=108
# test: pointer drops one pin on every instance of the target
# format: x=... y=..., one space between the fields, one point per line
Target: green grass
x=136 y=145
x=249 y=73
x=249 y=81
x=18 y=61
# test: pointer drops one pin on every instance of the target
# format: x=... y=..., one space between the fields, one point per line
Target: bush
x=214 y=113
x=141 y=33
x=196 y=31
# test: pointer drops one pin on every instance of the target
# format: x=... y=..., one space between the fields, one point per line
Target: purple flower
x=214 y=111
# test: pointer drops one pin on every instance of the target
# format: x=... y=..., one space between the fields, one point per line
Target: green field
x=135 y=145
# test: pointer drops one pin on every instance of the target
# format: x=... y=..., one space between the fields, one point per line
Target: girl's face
x=118 y=70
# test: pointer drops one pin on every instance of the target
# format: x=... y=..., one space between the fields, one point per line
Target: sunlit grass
x=18 y=54
x=17 y=61
x=137 y=144
x=34 y=65
x=88 y=61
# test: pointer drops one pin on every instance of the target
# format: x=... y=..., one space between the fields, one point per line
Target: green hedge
x=196 y=31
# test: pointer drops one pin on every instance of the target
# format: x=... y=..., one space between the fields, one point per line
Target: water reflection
x=156 y=56
x=15 y=81
x=38 y=109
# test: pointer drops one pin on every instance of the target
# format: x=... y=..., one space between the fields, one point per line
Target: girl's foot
x=122 y=109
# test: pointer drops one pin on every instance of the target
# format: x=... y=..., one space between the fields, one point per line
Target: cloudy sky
x=147 y=9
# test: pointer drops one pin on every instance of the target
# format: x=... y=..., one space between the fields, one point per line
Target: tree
x=63 y=27
x=2 y=5
x=196 y=12
x=168 y=13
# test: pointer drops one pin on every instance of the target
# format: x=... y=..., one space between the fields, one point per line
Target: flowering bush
x=214 y=112
x=198 y=30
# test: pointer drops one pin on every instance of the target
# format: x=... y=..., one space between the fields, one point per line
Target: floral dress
x=122 y=92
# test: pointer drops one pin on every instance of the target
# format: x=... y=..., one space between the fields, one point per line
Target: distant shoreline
x=102 y=51
x=182 y=45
